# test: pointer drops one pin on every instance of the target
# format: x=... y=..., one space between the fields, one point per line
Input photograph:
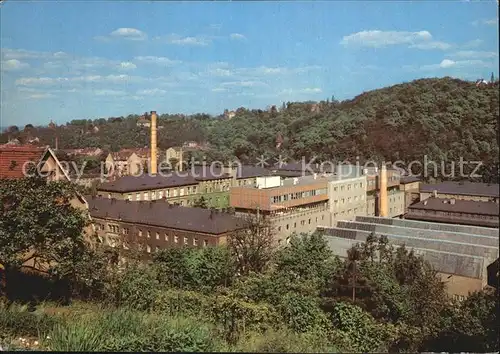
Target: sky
x=96 y=59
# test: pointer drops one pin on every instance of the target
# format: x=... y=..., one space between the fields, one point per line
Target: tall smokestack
x=154 y=162
x=383 y=192
x=181 y=162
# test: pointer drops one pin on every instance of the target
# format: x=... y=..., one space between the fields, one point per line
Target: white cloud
x=13 y=65
x=237 y=36
x=151 y=92
x=257 y=72
x=472 y=44
x=8 y=53
x=432 y=45
x=308 y=90
x=132 y=34
x=157 y=60
x=219 y=89
x=487 y=22
x=378 y=39
x=39 y=96
x=109 y=93
x=474 y=54
x=243 y=84
x=454 y=64
x=188 y=41
x=127 y=66
x=47 y=81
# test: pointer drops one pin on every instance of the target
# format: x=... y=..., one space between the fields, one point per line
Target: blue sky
x=72 y=60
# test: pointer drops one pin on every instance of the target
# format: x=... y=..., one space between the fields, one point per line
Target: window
x=194 y=189
x=138 y=196
x=205 y=243
x=185 y=240
x=334 y=189
x=176 y=239
x=140 y=232
x=146 y=196
x=157 y=248
x=149 y=234
x=148 y=248
x=160 y=194
x=129 y=196
x=181 y=192
x=153 y=195
x=279 y=228
x=188 y=190
x=343 y=200
x=175 y=192
x=302 y=222
x=166 y=237
x=167 y=193
x=309 y=221
x=348 y=187
x=109 y=195
x=157 y=235
x=287 y=227
x=126 y=231
x=195 y=241
x=322 y=217
x=349 y=199
x=294 y=224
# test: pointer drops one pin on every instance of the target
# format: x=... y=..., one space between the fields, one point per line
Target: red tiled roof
x=13 y=158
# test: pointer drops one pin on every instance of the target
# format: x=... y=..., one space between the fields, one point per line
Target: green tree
x=253 y=245
x=200 y=203
x=39 y=228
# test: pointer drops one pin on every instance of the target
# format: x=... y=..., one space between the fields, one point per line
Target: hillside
x=444 y=119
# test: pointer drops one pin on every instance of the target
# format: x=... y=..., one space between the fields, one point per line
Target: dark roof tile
x=162 y=214
x=460 y=206
x=463 y=188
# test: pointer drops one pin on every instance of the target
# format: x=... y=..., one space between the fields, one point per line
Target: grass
x=88 y=327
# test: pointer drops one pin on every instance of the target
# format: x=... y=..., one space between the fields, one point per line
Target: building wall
x=215 y=192
x=304 y=219
x=373 y=183
x=395 y=201
x=116 y=234
x=279 y=197
x=459 y=286
x=347 y=199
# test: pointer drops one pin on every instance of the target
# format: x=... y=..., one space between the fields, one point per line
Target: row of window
x=298 y=195
x=372 y=182
x=348 y=187
x=160 y=194
x=349 y=199
x=302 y=222
x=126 y=231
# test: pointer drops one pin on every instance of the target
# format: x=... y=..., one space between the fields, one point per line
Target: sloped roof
x=460 y=206
x=162 y=214
x=463 y=188
x=14 y=157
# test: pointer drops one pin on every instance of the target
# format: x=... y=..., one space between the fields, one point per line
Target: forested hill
x=443 y=118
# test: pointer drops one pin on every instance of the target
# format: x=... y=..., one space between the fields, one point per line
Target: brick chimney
x=153 y=160
x=383 y=192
